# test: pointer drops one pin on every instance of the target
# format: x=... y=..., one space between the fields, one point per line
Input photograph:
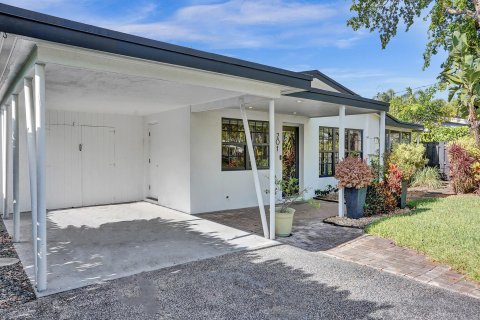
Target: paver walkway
x=384 y=255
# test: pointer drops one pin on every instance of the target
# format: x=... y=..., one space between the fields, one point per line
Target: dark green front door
x=290 y=161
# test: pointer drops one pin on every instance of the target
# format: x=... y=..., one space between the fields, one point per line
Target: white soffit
x=84 y=90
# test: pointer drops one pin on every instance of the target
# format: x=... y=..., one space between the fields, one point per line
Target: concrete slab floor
x=309 y=231
x=94 y=244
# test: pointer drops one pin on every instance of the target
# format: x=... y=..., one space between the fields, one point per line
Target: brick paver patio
x=384 y=255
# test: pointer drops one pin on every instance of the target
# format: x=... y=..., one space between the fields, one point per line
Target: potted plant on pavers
x=283 y=211
x=354 y=175
x=408 y=158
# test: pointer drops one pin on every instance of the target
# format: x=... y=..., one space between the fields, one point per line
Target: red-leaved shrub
x=394 y=179
x=461 y=174
x=353 y=172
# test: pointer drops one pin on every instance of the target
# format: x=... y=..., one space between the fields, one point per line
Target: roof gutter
x=342 y=99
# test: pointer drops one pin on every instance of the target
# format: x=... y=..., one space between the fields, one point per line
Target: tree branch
x=475 y=15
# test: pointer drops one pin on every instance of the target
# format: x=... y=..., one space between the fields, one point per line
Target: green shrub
x=439 y=134
x=409 y=158
x=428 y=177
x=468 y=143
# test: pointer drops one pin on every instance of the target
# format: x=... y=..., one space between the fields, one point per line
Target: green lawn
x=445 y=229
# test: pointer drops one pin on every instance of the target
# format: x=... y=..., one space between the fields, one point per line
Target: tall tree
x=419 y=106
x=463 y=79
x=446 y=16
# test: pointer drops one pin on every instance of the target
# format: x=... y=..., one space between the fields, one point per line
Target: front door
x=290 y=153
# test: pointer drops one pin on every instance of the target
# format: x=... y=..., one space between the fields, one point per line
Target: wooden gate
x=437 y=155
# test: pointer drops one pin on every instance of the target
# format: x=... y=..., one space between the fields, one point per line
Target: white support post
x=15 y=169
x=383 y=115
x=341 y=156
x=256 y=180
x=32 y=163
x=8 y=161
x=4 y=163
x=272 y=194
x=41 y=181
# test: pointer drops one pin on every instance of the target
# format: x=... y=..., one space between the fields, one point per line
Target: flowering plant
x=353 y=172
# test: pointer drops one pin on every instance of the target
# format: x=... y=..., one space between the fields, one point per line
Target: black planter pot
x=355 y=201
x=403 y=197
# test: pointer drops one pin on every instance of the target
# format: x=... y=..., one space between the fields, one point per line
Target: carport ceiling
x=308 y=108
x=84 y=90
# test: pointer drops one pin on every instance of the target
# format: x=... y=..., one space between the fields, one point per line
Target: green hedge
x=439 y=134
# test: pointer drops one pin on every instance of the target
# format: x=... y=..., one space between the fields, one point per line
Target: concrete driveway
x=272 y=283
x=94 y=244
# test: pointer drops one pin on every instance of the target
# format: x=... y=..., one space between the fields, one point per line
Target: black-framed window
x=328 y=148
x=234 y=145
x=393 y=137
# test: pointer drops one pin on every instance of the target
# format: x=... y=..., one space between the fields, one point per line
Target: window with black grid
x=328 y=148
x=234 y=145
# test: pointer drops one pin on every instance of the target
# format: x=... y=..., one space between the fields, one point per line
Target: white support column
x=41 y=184
x=341 y=156
x=383 y=115
x=32 y=163
x=8 y=161
x=256 y=180
x=4 y=163
x=15 y=169
x=272 y=194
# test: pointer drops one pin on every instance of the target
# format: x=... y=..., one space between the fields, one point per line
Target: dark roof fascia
x=341 y=98
x=49 y=28
x=329 y=81
x=394 y=122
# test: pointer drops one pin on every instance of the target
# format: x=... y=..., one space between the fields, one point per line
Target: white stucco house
x=92 y=116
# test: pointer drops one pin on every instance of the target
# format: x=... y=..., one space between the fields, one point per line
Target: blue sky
x=296 y=35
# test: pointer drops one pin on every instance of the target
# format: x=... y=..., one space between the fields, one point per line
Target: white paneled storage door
x=98 y=165
x=80 y=165
x=64 y=166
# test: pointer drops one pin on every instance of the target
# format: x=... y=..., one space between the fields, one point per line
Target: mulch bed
x=15 y=288
x=362 y=222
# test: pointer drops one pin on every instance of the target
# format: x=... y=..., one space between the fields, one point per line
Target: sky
x=296 y=35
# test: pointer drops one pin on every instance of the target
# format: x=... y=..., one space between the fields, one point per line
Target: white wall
x=369 y=123
x=173 y=145
x=213 y=189
x=126 y=183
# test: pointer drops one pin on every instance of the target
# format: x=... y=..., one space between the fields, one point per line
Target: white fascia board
x=398 y=129
x=106 y=62
x=15 y=85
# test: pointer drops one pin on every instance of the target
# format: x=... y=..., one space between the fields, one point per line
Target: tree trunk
x=476 y=3
x=474 y=124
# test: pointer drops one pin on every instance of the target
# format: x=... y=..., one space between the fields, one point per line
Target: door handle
x=80 y=147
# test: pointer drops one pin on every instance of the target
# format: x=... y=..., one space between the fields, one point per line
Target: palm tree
x=463 y=79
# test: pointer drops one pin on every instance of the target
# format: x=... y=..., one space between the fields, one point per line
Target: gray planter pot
x=355 y=202
x=403 y=196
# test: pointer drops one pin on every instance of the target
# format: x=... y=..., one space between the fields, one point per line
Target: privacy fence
x=437 y=156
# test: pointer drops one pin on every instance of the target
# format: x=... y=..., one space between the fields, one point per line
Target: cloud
x=251 y=24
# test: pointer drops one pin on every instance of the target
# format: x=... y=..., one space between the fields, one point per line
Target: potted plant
x=354 y=175
x=283 y=211
x=408 y=158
